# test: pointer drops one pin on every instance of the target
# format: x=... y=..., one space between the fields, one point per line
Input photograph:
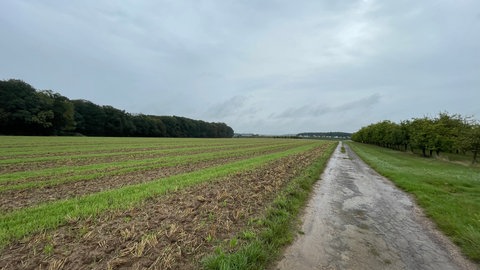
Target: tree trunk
x=474 y=157
x=423 y=152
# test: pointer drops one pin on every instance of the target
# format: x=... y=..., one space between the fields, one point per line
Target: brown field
x=170 y=229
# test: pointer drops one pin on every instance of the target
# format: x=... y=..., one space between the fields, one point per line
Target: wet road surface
x=357 y=219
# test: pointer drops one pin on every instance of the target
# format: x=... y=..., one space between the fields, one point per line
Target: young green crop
x=449 y=193
x=63 y=174
x=19 y=223
x=162 y=153
x=15 y=146
x=277 y=228
x=62 y=153
x=83 y=173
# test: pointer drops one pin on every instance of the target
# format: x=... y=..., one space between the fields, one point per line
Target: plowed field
x=122 y=203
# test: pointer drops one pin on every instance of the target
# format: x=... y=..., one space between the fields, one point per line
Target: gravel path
x=358 y=219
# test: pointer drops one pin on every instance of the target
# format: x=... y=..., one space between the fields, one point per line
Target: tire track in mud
x=173 y=231
x=358 y=219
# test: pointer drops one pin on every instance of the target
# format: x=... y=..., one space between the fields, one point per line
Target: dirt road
x=357 y=219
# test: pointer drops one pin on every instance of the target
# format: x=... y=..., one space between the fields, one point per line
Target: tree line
x=326 y=135
x=430 y=135
x=26 y=111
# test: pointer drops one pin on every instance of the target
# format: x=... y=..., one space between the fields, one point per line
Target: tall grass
x=448 y=192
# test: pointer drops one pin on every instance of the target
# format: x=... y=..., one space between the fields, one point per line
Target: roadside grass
x=465 y=159
x=23 y=222
x=448 y=192
x=264 y=238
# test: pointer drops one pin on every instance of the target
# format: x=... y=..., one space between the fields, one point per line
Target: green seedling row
x=96 y=146
x=26 y=221
x=87 y=169
x=165 y=162
x=150 y=151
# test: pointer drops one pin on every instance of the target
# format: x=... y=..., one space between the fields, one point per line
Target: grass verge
x=264 y=238
x=449 y=193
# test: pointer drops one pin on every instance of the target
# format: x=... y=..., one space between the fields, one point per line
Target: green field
x=448 y=192
x=56 y=186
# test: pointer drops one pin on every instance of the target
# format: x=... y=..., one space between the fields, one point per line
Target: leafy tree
x=469 y=140
x=445 y=133
x=23 y=110
x=90 y=118
x=63 y=112
x=447 y=129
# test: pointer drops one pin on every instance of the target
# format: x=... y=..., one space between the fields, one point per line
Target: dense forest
x=26 y=111
x=444 y=133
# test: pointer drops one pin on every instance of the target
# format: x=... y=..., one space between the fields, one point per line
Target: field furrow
x=72 y=176
x=96 y=203
x=172 y=231
x=31 y=193
x=41 y=162
x=102 y=145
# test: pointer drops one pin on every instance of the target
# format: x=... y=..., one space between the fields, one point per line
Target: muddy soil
x=117 y=155
x=358 y=219
x=167 y=232
x=15 y=199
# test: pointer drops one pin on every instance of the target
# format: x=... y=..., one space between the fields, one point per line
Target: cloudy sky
x=269 y=67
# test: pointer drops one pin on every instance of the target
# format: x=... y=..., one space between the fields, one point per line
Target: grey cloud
x=319 y=110
x=269 y=66
x=228 y=107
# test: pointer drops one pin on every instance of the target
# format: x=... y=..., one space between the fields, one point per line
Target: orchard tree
x=421 y=134
x=470 y=140
x=447 y=129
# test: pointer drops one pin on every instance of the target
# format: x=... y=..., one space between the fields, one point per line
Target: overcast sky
x=261 y=66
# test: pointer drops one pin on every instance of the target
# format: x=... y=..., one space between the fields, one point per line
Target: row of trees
x=326 y=135
x=444 y=133
x=26 y=111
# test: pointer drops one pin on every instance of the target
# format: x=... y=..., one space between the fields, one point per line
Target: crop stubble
x=166 y=232
x=15 y=199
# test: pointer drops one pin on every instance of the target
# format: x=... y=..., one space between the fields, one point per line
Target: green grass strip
x=18 y=146
x=449 y=193
x=17 y=224
x=277 y=228
x=123 y=151
x=109 y=154
x=131 y=166
x=87 y=169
